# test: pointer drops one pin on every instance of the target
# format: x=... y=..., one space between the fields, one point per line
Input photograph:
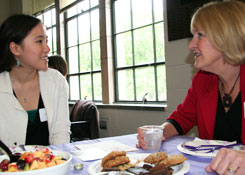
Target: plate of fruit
x=39 y=162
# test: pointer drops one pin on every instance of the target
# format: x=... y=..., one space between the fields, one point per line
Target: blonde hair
x=224 y=25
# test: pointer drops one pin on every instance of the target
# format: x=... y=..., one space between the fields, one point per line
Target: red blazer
x=200 y=105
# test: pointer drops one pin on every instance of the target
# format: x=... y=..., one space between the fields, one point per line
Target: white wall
x=4 y=10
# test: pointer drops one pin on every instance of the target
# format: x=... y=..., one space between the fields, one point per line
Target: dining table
x=197 y=163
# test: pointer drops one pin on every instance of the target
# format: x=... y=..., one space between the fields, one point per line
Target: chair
x=84 y=118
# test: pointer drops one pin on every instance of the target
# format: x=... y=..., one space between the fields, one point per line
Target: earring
x=18 y=63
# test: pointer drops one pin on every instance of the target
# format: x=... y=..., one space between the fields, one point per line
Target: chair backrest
x=84 y=110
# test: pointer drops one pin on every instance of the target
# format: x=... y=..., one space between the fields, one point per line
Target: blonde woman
x=216 y=98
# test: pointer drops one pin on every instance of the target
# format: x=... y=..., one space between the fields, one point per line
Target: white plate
x=178 y=169
x=198 y=142
x=2 y=157
x=28 y=148
x=193 y=153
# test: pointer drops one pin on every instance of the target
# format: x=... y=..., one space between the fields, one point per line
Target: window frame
x=134 y=67
x=50 y=8
x=91 y=72
x=107 y=42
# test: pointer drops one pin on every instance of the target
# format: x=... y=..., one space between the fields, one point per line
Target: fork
x=221 y=146
x=209 y=148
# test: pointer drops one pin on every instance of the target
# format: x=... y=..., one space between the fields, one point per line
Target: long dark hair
x=14 y=29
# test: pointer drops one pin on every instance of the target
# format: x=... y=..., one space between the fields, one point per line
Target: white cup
x=152 y=136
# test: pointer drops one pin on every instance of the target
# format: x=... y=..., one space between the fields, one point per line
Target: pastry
x=154 y=158
x=114 y=160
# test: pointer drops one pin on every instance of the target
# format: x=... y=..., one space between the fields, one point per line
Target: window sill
x=149 y=107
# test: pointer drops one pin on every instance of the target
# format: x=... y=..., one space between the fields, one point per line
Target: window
x=139 y=51
x=83 y=50
x=48 y=17
x=137 y=39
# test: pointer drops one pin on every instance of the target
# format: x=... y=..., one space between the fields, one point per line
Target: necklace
x=227 y=100
x=25 y=97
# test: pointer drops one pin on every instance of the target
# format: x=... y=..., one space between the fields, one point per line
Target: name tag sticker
x=43 y=115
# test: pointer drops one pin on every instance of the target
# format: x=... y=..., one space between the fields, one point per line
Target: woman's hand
x=228 y=162
x=168 y=131
x=140 y=137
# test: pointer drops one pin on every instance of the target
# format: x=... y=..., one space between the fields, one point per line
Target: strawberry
x=45 y=150
x=29 y=158
x=4 y=164
x=47 y=161
x=52 y=157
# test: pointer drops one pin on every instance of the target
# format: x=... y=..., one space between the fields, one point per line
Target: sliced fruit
x=38 y=154
x=50 y=164
x=59 y=162
x=34 y=165
x=24 y=155
x=29 y=158
x=12 y=167
x=27 y=167
x=42 y=165
x=4 y=165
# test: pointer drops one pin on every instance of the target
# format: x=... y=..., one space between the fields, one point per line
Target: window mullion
x=66 y=53
x=78 y=55
x=91 y=51
x=154 y=50
x=51 y=28
x=133 y=56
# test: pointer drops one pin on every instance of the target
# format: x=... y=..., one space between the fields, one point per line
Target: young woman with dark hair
x=33 y=98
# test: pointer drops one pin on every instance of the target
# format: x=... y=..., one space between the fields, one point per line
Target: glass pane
x=158 y=10
x=85 y=57
x=125 y=85
x=73 y=60
x=97 y=86
x=72 y=11
x=161 y=82
x=47 y=18
x=72 y=32
x=53 y=16
x=124 y=49
x=96 y=55
x=94 y=3
x=142 y=12
x=122 y=15
x=145 y=83
x=83 y=6
x=143 y=45
x=40 y=17
x=86 y=88
x=54 y=39
x=95 y=26
x=50 y=39
x=84 y=28
x=74 y=88
x=160 y=49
